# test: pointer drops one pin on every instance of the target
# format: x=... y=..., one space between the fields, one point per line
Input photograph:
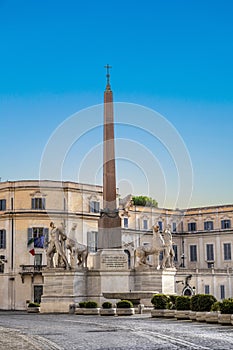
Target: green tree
x=144 y=201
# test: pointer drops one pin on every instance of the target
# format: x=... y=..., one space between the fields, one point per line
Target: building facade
x=202 y=236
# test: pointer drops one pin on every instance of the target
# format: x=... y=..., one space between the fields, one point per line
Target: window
x=207 y=289
x=225 y=224
x=94 y=207
x=2 y=261
x=227 y=251
x=193 y=253
x=38 y=259
x=210 y=252
x=2 y=239
x=222 y=291
x=38 y=236
x=129 y=257
x=210 y=265
x=145 y=224
x=126 y=222
x=161 y=256
x=208 y=225
x=174 y=227
x=2 y=204
x=192 y=226
x=92 y=241
x=38 y=203
x=1 y=267
x=175 y=252
x=160 y=223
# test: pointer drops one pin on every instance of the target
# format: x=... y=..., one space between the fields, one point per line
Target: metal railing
x=31 y=268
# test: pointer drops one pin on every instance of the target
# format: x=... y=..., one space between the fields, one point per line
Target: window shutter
x=30 y=236
x=46 y=237
x=33 y=203
x=92 y=241
x=43 y=203
x=89 y=241
x=91 y=207
x=96 y=240
x=175 y=252
x=4 y=239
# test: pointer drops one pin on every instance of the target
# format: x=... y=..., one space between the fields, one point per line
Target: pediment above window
x=38 y=194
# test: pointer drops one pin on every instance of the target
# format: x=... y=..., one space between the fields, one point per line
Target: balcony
x=31 y=270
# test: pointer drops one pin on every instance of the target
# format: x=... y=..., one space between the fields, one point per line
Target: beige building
x=202 y=236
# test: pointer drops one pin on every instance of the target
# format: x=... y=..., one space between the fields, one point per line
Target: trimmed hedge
x=182 y=302
x=202 y=302
x=91 y=304
x=216 y=306
x=226 y=306
x=194 y=302
x=124 y=304
x=172 y=302
x=82 y=304
x=160 y=301
x=107 y=305
x=205 y=302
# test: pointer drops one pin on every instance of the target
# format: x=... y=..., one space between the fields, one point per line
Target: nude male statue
x=56 y=246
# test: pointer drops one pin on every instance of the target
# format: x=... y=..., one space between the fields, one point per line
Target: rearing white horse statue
x=142 y=252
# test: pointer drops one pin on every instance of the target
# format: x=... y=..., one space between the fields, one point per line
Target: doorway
x=38 y=291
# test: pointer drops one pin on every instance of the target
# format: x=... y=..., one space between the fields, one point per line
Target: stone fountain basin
x=134 y=296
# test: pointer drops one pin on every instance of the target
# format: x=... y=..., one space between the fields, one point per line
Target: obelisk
x=109 y=226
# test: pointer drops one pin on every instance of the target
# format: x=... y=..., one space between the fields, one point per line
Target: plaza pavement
x=19 y=330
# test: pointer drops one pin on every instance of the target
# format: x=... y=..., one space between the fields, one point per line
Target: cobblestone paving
x=71 y=332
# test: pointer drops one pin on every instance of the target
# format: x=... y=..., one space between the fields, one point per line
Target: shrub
x=194 y=303
x=202 y=302
x=226 y=306
x=32 y=304
x=124 y=304
x=160 y=301
x=172 y=302
x=107 y=305
x=91 y=304
x=182 y=302
x=216 y=306
x=82 y=304
x=205 y=301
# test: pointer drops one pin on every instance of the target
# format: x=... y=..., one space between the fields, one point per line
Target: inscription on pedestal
x=113 y=262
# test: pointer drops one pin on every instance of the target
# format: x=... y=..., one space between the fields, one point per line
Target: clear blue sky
x=174 y=56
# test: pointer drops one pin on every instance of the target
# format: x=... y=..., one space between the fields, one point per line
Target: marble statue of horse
x=77 y=250
x=142 y=252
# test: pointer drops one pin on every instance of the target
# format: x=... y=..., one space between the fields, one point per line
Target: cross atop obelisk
x=108 y=74
x=109 y=232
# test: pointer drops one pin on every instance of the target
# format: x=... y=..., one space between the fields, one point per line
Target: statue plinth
x=162 y=280
x=62 y=288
